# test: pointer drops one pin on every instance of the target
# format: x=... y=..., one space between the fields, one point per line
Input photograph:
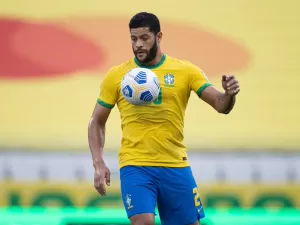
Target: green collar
x=154 y=66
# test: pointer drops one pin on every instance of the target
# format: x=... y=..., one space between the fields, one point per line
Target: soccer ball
x=140 y=86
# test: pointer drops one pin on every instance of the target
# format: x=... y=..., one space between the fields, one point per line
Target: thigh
x=178 y=200
x=139 y=191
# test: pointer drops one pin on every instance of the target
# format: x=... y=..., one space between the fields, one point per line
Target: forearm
x=224 y=103
x=96 y=137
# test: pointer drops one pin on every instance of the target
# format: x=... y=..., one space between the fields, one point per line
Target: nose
x=139 y=43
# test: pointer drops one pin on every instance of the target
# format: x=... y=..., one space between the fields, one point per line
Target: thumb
x=225 y=77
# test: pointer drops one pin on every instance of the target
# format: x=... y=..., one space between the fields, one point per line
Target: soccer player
x=154 y=167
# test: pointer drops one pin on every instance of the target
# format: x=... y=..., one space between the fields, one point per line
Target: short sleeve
x=198 y=81
x=108 y=95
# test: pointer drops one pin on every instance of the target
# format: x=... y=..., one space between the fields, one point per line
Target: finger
x=99 y=184
x=233 y=86
x=231 y=82
x=101 y=187
x=97 y=180
x=98 y=187
x=96 y=183
x=107 y=178
x=228 y=77
x=236 y=91
x=102 y=190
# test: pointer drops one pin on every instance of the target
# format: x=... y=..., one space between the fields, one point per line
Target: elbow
x=223 y=111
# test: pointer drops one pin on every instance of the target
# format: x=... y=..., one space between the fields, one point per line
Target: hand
x=101 y=177
x=230 y=85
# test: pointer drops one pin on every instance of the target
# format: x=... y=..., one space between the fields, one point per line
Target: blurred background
x=53 y=55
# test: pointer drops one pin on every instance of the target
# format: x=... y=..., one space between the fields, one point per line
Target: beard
x=150 y=55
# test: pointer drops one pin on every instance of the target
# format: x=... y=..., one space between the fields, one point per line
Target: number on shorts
x=158 y=101
x=197 y=197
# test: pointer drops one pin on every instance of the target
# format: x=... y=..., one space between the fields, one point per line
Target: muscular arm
x=96 y=132
x=221 y=102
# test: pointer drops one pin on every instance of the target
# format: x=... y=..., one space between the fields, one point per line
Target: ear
x=159 y=37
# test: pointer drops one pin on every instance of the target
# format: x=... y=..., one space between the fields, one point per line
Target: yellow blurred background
x=257 y=41
x=53 y=55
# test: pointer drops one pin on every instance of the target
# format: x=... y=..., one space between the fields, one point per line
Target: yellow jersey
x=152 y=135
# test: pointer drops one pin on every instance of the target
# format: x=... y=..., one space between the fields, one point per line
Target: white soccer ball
x=140 y=86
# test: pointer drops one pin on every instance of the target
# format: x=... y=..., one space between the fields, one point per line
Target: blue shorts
x=173 y=189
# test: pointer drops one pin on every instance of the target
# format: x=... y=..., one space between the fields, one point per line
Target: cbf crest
x=128 y=201
x=169 y=80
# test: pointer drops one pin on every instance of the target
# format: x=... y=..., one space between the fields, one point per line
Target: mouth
x=141 y=53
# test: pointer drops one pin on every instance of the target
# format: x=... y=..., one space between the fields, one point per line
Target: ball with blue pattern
x=140 y=86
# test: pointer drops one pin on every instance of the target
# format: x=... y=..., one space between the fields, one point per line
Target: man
x=153 y=161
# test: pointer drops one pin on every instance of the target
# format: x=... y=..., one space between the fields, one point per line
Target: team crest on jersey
x=169 y=80
x=128 y=201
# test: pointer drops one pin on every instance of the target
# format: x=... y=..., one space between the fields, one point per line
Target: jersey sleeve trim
x=104 y=104
x=202 y=88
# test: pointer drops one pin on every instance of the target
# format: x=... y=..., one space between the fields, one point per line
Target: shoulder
x=193 y=71
x=183 y=64
x=119 y=69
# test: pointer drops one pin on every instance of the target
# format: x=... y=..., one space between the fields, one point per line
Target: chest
x=173 y=84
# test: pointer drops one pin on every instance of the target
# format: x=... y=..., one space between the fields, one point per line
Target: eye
x=145 y=37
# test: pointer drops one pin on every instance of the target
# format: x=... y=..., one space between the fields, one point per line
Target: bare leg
x=142 y=219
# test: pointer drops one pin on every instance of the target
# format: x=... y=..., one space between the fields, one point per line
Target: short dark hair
x=144 y=19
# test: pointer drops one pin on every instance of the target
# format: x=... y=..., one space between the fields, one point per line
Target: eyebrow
x=143 y=35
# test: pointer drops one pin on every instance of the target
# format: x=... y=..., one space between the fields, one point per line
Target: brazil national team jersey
x=153 y=134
